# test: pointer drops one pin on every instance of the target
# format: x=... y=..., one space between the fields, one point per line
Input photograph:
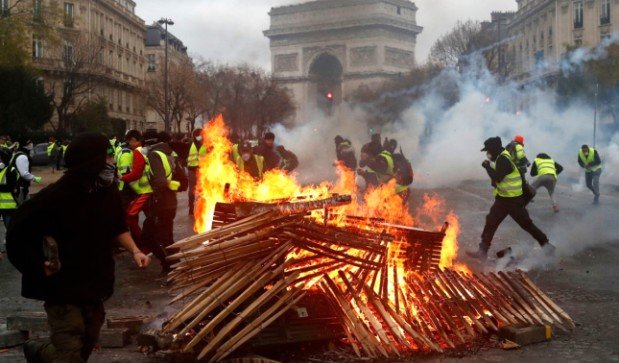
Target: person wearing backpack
x=345 y=152
x=508 y=186
x=163 y=172
x=402 y=171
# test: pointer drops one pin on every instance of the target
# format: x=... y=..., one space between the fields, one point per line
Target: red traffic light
x=329 y=96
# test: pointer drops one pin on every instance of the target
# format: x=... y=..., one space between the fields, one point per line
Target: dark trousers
x=158 y=231
x=515 y=208
x=593 y=182
x=74 y=331
x=191 y=188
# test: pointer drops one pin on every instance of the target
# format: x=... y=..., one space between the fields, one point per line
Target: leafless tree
x=77 y=66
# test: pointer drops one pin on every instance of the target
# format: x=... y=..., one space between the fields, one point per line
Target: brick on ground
x=132 y=323
x=526 y=335
x=114 y=338
x=28 y=321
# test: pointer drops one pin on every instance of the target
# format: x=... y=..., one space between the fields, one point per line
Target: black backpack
x=180 y=176
x=403 y=169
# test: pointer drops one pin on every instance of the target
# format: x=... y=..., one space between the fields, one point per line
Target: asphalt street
x=582 y=278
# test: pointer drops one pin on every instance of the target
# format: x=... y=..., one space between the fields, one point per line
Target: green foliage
x=92 y=117
x=13 y=53
x=24 y=105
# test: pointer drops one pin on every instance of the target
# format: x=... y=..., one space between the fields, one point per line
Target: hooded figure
x=508 y=186
x=62 y=242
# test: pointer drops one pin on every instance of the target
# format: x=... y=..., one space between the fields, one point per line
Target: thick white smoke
x=444 y=142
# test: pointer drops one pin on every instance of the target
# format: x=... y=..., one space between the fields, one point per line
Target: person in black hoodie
x=162 y=164
x=509 y=201
x=62 y=241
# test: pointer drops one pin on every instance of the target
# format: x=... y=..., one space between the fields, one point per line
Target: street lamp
x=166 y=22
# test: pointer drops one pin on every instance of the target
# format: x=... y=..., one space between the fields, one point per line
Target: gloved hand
x=37 y=179
x=485 y=164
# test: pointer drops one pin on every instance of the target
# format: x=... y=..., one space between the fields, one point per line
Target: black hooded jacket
x=84 y=219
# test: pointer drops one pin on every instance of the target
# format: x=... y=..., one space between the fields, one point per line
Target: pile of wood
x=236 y=280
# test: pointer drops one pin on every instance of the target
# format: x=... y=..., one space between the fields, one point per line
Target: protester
x=589 y=159
x=267 y=150
x=509 y=200
x=162 y=165
x=21 y=161
x=345 y=152
x=62 y=241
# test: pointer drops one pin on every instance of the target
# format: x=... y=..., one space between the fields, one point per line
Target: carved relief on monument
x=310 y=53
x=363 y=56
x=399 y=58
x=287 y=62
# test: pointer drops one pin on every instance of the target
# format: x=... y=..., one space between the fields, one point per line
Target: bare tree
x=468 y=40
x=79 y=62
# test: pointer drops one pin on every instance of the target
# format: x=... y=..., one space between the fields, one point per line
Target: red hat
x=519 y=139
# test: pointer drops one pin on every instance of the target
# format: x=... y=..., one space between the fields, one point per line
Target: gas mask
x=246 y=156
x=28 y=147
x=198 y=138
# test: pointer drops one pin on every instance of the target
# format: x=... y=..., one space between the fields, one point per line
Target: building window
x=399 y=10
x=36 y=8
x=605 y=12
x=5 y=7
x=68 y=15
x=152 y=65
x=37 y=48
x=67 y=88
x=578 y=14
x=68 y=53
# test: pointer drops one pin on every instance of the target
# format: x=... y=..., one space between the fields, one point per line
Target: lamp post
x=166 y=22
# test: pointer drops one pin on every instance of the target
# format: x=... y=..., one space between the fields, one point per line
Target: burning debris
x=394 y=288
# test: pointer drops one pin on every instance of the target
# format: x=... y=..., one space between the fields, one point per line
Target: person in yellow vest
x=8 y=181
x=162 y=165
x=508 y=191
x=589 y=159
x=135 y=177
x=249 y=162
x=197 y=150
x=516 y=149
x=546 y=170
x=365 y=171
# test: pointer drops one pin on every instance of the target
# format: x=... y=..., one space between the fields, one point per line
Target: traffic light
x=329 y=96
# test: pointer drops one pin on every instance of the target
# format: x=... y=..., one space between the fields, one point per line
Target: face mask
x=198 y=138
x=28 y=147
x=107 y=175
x=246 y=157
x=489 y=156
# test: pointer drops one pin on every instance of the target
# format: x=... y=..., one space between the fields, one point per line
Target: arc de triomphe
x=324 y=50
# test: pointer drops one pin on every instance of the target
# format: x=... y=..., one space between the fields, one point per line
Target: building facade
x=155 y=58
x=542 y=31
x=324 y=50
x=101 y=38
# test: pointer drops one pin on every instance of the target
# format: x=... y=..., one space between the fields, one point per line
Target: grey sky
x=230 y=31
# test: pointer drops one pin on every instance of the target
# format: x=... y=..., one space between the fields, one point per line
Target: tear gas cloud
x=444 y=142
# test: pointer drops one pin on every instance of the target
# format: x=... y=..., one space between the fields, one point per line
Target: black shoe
x=504 y=252
x=596 y=200
x=479 y=254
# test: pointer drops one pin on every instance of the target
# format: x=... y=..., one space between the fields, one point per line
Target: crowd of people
x=63 y=238
x=507 y=168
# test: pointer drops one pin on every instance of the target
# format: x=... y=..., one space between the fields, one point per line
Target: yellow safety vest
x=511 y=185
x=589 y=159
x=400 y=188
x=546 y=167
x=385 y=177
x=193 y=158
x=235 y=152
x=520 y=152
x=172 y=184
x=259 y=162
x=125 y=165
x=7 y=201
x=50 y=148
